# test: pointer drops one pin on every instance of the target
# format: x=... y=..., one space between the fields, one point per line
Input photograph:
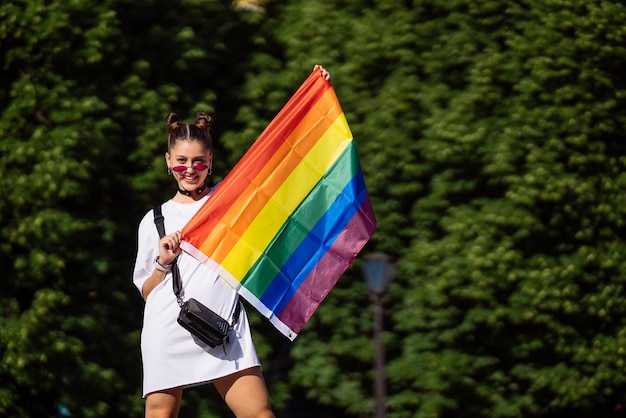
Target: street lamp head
x=378 y=271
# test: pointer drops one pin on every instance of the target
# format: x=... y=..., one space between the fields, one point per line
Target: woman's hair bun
x=172 y=120
x=179 y=131
x=204 y=121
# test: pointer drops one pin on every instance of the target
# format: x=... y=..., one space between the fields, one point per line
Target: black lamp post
x=378 y=271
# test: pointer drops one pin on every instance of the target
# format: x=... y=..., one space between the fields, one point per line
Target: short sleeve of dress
x=147 y=250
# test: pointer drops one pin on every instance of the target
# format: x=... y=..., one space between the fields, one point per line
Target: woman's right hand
x=169 y=248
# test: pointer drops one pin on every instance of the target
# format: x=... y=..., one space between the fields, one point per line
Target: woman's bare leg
x=245 y=393
x=164 y=403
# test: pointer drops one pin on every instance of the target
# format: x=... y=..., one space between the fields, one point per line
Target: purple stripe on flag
x=329 y=269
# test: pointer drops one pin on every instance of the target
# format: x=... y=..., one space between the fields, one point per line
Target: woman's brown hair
x=199 y=131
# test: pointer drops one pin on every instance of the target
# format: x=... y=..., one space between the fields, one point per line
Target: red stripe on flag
x=253 y=162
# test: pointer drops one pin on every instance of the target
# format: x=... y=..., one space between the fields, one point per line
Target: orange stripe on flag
x=288 y=156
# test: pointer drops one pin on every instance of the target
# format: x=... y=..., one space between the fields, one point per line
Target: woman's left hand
x=325 y=74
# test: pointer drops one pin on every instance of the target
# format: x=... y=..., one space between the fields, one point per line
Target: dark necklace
x=196 y=192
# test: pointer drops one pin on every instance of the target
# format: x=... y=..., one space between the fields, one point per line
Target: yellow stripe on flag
x=286 y=199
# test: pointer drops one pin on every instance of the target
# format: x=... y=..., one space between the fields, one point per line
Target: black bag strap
x=159 y=220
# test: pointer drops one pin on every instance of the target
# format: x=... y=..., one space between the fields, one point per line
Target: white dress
x=171 y=356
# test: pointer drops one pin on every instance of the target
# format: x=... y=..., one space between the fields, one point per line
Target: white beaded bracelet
x=157 y=265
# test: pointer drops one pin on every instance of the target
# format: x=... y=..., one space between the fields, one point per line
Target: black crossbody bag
x=196 y=318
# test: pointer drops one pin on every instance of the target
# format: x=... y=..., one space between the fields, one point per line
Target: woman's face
x=190 y=162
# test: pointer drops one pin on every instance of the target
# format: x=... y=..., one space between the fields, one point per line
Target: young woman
x=172 y=358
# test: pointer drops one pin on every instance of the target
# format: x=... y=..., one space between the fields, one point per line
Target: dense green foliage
x=62 y=293
x=492 y=139
x=82 y=143
x=519 y=254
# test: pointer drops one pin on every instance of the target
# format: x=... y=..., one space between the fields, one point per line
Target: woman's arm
x=153 y=281
x=169 y=248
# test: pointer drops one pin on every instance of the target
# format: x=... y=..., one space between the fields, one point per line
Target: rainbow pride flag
x=293 y=213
